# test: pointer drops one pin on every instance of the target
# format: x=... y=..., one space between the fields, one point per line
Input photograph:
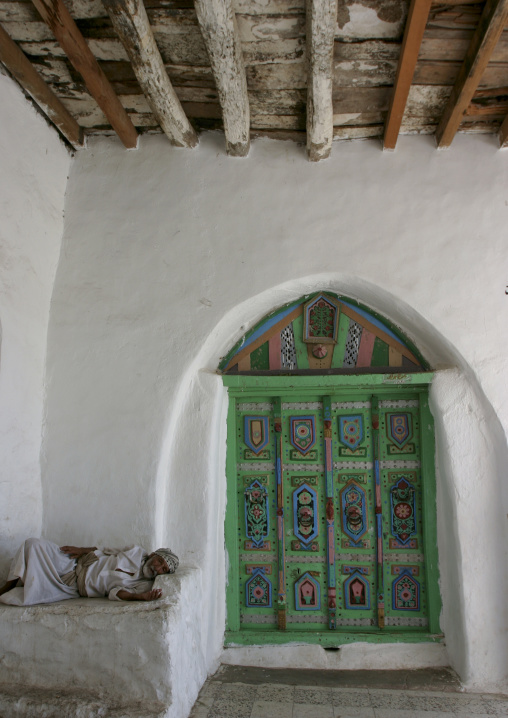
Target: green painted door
x=331 y=519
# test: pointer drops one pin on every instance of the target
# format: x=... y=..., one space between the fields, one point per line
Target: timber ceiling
x=310 y=70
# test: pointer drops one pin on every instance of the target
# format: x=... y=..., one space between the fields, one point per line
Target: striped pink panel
x=365 y=348
x=274 y=351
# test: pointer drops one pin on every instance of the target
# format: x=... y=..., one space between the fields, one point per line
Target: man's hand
x=152 y=595
x=76 y=551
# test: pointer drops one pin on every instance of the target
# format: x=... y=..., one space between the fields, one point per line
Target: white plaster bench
x=108 y=654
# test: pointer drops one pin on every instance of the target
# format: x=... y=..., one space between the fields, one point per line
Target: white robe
x=40 y=564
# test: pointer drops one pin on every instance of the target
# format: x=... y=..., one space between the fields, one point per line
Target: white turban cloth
x=169 y=557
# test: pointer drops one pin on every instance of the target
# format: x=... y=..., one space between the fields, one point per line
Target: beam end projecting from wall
x=492 y=23
x=321 y=21
x=131 y=22
x=57 y=17
x=222 y=40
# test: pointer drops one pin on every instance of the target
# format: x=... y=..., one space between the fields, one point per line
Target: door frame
x=380 y=384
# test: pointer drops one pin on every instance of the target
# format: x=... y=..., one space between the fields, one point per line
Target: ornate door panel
x=304 y=484
x=257 y=532
x=355 y=503
x=329 y=505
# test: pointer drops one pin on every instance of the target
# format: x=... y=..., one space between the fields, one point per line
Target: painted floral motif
x=354 y=515
x=258 y=591
x=307 y=594
x=402 y=498
x=406 y=593
x=351 y=431
x=303 y=433
x=357 y=592
x=305 y=513
x=256 y=513
x=320 y=320
x=399 y=428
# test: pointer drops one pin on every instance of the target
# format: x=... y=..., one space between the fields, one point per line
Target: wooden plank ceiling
x=310 y=70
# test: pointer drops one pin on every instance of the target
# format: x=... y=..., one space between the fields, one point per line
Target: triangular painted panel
x=355 y=340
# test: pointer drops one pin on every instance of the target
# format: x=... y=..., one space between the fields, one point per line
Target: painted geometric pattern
x=351 y=430
x=287 y=348
x=355 y=338
x=399 y=428
x=406 y=593
x=303 y=433
x=352 y=344
x=307 y=594
x=258 y=591
x=353 y=511
x=257 y=519
x=305 y=513
x=403 y=514
x=256 y=432
x=357 y=592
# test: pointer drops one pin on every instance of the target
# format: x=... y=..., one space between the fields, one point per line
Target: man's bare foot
x=8 y=586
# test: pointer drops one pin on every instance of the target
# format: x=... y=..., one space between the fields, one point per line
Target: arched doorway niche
x=195 y=443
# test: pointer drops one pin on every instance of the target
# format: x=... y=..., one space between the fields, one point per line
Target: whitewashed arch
x=470 y=445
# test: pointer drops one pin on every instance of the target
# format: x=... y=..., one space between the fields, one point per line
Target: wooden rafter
x=413 y=35
x=57 y=17
x=24 y=72
x=220 y=33
x=485 y=39
x=321 y=21
x=131 y=22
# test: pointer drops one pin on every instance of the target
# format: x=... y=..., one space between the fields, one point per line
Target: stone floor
x=243 y=692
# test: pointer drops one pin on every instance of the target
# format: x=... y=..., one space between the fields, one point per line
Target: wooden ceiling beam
x=131 y=22
x=483 y=43
x=321 y=22
x=57 y=17
x=24 y=72
x=220 y=34
x=413 y=35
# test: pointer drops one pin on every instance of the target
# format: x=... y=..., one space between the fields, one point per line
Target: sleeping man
x=42 y=572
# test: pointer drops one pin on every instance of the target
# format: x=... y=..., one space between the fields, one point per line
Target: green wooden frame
x=382 y=384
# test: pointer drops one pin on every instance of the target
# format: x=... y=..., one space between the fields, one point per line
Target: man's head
x=161 y=561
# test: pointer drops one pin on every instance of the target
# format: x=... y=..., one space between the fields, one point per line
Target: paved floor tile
x=436 y=703
x=353 y=712
x=312 y=710
x=237 y=691
x=271 y=709
x=223 y=708
x=277 y=693
x=495 y=705
x=350 y=697
x=393 y=700
x=270 y=693
x=313 y=694
x=199 y=710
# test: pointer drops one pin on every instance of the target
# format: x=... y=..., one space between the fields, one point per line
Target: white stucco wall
x=34 y=166
x=169 y=255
